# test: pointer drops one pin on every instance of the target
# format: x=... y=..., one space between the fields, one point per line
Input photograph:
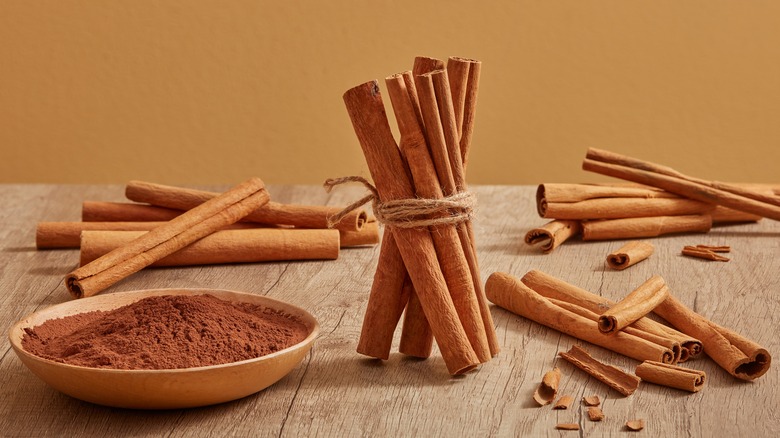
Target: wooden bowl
x=170 y=388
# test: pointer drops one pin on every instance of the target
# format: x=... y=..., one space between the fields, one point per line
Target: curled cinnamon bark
x=635 y=305
x=741 y=357
x=553 y=234
x=545 y=393
x=629 y=254
x=671 y=376
x=613 y=377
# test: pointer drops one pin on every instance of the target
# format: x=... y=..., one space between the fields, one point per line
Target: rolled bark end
x=607 y=324
x=72 y=283
x=753 y=368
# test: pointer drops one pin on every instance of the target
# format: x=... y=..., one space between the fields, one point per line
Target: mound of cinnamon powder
x=165 y=332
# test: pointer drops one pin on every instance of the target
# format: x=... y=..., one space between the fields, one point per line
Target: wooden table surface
x=336 y=392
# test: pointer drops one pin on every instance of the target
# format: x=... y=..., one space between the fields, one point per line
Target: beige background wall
x=215 y=91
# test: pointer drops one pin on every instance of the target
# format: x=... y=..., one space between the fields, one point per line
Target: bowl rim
x=18 y=326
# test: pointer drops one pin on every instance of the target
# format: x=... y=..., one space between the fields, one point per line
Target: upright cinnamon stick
x=366 y=110
x=635 y=305
x=199 y=222
x=466 y=127
x=303 y=216
x=416 y=335
x=445 y=238
x=386 y=301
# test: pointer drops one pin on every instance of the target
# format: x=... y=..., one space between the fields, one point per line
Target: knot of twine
x=407 y=213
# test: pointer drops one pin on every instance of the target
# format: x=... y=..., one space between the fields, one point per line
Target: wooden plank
x=336 y=391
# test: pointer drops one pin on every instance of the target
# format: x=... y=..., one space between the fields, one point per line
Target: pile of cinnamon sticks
x=661 y=201
x=624 y=327
x=262 y=231
x=431 y=272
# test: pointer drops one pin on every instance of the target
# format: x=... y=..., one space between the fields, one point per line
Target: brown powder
x=165 y=332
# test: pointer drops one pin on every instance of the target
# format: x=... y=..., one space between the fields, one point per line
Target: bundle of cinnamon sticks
x=428 y=270
x=660 y=201
x=261 y=231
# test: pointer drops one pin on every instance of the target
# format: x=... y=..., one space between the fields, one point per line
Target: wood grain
x=336 y=392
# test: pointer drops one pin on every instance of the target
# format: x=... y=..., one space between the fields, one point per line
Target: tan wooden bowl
x=163 y=389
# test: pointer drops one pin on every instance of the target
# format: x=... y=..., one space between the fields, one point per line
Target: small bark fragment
x=564 y=402
x=545 y=393
x=595 y=413
x=593 y=400
x=567 y=426
x=635 y=425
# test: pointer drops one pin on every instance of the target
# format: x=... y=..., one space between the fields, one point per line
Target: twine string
x=407 y=213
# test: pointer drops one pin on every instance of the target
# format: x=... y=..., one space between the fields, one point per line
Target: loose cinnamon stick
x=703 y=253
x=366 y=110
x=633 y=228
x=671 y=376
x=613 y=377
x=227 y=246
x=367 y=235
x=629 y=254
x=643 y=172
x=554 y=288
x=619 y=208
x=509 y=293
x=742 y=358
x=95 y=211
x=302 y=216
x=667 y=342
x=425 y=166
x=197 y=223
x=634 y=306
x=715 y=248
x=50 y=235
x=552 y=234
x=545 y=392
x=724 y=216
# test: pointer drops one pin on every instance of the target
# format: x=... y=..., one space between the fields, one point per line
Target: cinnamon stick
x=302 y=216
x=629 y=254
x=671 y=376
x=96 y=211
x=742 y=358
x=465 y=230
x=666 y=342
x=366 y=110
x=466 y=121
x=367 y=235
x=554 y=288
x=635 y=305
x=227 y=246
x=651 y=174
x=511 y=294
x=50 y=235
x=416 y=335
x=386 y=301
x=703 y=253
x=197 y=223
x=633 y=228
x=432 y=177
x=619 y=208
x=552 y=234
x=569 y=193
x=613 y=377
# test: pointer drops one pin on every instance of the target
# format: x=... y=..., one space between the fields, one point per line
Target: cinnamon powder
x=165 y=332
